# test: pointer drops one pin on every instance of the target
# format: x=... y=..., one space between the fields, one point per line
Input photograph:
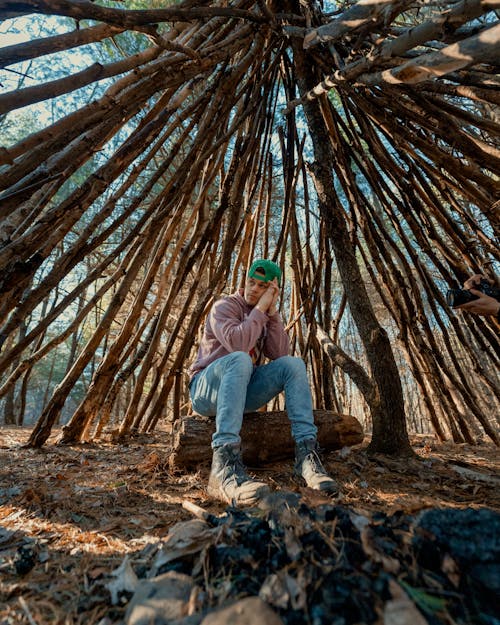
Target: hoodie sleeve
x=277 y=342
x=233 y=333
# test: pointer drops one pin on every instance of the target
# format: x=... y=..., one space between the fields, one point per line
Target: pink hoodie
x=234 y=326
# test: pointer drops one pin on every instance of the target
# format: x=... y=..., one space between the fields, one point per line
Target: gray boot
x=229 y=480
x=308 y=466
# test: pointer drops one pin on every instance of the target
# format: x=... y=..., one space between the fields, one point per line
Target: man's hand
x=484 y=305
x=268 y=300
x=274 y=304
x=474 y=281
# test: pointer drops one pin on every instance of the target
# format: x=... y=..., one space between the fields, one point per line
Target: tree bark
x=49 y=45
x=481 y=48
x=356 y=17
x=23 y=97
x=266 y=437
x=85 y=9
x=387 y=410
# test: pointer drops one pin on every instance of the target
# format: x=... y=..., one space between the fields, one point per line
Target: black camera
x=457 y=297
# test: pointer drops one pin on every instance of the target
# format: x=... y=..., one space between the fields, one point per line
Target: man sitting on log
x=229 y=379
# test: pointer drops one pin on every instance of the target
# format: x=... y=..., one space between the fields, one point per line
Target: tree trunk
x=387 y=409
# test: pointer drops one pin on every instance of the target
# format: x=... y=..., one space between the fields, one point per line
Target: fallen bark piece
x=183 y=539
x=476 y=475
x=160 y=600
x=249 y=611
x=266 y=437
x=124 y=581
x=401 y=610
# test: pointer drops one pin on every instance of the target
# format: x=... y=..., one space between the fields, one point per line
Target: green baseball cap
x=264 y=270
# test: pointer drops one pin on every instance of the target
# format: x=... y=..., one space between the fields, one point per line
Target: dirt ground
x=82 y=509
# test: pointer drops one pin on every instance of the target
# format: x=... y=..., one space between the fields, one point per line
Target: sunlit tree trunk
x=387 y=408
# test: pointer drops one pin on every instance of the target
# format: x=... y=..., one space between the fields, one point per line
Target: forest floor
x=70 y=514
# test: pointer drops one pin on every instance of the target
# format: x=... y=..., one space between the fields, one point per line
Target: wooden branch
x=477 y=77
x=86 y=242
x=38 y=354
x=472 y=182
x=472 y=93
x=118 y=103
x=353 y=369
x=85 y=9
x=266 y=437
x=43 y=427
x=94 y=185
x=482 y=48
x=22 y=97
x=266 y=10
x=398 y=300
x=48 y=45
x=440 y=26
x=410 y=39
x=359 y=15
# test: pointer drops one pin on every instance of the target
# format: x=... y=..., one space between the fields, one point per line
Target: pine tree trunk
x=390 y=434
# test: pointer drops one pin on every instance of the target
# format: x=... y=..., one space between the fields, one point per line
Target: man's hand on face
x=274 y=304
x=268 y=299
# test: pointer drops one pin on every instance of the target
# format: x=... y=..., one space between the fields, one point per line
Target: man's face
x=253 y=290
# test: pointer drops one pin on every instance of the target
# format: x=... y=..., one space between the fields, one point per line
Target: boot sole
x=327 y=489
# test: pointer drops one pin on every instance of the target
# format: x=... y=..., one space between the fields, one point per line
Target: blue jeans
x=231 y=386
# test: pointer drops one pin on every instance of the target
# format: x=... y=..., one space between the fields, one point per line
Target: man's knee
x=240 y=361
x=293 y=364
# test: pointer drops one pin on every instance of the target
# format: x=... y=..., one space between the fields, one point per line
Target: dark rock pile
x=327 y=565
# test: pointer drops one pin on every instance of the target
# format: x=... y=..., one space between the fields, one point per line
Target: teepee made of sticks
x=356 y=144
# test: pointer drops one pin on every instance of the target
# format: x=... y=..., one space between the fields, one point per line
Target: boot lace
x=236 y=468
x=239 y=469
x=313 y=462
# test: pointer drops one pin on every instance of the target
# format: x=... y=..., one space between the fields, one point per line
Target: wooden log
x=266 y=437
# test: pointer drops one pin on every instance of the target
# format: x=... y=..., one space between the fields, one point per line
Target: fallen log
x=265 y=437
